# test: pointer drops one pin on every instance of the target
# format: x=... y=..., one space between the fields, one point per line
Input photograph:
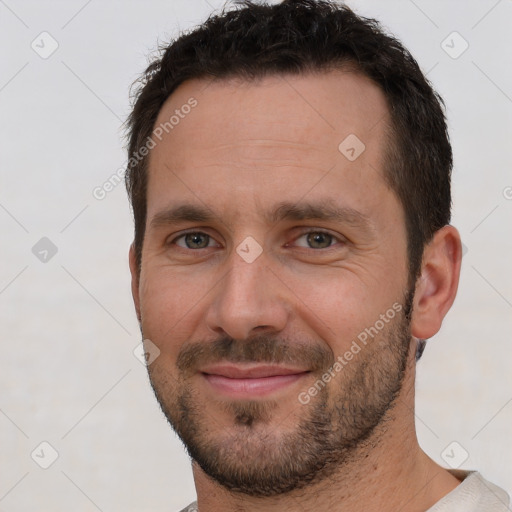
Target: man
x=290 y=181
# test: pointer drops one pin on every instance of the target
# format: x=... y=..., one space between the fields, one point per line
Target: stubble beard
x=259 y=457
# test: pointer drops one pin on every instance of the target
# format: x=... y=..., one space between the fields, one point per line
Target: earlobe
x=135 y=280
x=436 y=288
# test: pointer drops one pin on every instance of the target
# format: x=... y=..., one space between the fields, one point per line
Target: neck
x=389 y=473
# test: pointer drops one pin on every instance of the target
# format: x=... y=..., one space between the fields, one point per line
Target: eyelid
x=303 y=231
x=308 y=230
x=185 y=232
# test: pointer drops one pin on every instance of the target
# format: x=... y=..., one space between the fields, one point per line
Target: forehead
x=273 y=135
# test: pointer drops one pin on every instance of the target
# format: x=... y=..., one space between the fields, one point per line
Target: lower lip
x=243 y=388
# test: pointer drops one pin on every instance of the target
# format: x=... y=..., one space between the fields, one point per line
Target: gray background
x=68 y=374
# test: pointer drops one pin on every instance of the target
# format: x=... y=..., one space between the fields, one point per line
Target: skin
x=245 y=148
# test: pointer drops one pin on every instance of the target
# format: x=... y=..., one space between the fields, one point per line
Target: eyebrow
x=319 y=210
x=182 y=213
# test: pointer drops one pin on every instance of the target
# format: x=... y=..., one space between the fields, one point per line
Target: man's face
x=251 y=290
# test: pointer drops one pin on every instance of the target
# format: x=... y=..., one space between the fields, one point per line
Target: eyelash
x=304 y=233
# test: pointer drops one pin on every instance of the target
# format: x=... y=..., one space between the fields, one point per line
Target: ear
x=436 y=288
x=135 y=280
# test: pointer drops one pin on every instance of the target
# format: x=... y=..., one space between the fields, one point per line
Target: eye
x=194 y=240
x=316 y=240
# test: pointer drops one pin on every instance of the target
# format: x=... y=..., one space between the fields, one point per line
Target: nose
x=249 y=298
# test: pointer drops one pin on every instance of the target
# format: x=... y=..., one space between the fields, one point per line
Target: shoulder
x=474 y=493
x=191 y=508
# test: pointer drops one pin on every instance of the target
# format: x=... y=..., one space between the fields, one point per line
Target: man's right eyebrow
x=181 y=213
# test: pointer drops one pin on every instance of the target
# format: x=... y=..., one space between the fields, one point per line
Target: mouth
x=250 y=381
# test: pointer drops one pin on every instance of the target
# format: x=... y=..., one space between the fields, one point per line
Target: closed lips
x=243 y=382
x=254 y=372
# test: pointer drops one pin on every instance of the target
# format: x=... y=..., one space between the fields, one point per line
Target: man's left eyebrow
x=323 y=211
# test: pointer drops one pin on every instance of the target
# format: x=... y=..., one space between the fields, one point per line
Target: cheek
x=169 y=307
x=339 y=305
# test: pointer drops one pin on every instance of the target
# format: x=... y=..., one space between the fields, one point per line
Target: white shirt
x=473 y=494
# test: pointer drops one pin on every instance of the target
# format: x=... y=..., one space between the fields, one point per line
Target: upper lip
x=250 y=372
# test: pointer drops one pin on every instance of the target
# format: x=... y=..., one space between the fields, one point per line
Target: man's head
x=291 y=238
x=294 y=38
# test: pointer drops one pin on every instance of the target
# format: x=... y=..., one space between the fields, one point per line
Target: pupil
x=319 y=239
x=194 y=239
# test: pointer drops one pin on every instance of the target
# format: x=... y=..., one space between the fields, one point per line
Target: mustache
x=259 y=349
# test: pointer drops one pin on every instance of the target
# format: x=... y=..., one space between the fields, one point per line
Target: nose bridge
x=247 y=298
x=242 y=281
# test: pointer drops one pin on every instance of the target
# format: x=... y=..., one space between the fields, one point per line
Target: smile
x=250 y=381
